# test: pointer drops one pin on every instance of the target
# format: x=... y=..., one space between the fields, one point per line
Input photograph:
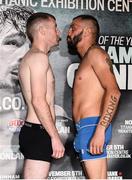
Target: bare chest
x=83 y=74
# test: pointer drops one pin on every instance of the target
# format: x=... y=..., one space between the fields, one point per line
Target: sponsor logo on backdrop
x=15 y=125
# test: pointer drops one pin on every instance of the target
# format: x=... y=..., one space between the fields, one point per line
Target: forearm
x=52 y=110
x=43 y=112
x=109 y=107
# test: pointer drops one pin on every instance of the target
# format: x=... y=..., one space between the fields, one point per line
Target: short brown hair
x=35 y=18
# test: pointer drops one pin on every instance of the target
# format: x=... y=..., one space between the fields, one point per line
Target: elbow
x=116 y=93
x=37 y=102
x=119 y=94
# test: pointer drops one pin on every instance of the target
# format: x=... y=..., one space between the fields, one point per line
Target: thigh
x=35 y=169
x=95 y=169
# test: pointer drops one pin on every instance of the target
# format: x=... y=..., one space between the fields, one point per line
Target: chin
x=55 y=45
x=57 y=42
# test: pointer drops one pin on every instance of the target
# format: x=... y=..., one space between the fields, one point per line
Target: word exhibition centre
x=111 y=5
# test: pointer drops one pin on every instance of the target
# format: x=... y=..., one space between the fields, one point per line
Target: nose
x=58 y=32
x=69 y=32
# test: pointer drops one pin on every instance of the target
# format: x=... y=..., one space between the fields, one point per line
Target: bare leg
x=34 y=169
x=95 y=169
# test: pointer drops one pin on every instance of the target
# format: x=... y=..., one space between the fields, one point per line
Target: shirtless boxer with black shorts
x=39 y=140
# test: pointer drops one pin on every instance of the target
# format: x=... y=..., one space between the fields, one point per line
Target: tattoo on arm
x=108 y=61
x=109 y=112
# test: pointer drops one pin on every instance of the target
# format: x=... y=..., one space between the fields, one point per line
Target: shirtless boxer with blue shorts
x=95 y=96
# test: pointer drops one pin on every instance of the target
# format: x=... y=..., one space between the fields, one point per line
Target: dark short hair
x=17 y=15
x=93 y=20
x=33 y=19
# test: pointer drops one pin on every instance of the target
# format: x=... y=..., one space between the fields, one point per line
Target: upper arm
x=38 y=76
x=102 y=66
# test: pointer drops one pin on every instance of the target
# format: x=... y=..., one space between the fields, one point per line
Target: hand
x=97 y=141
x=58 y=148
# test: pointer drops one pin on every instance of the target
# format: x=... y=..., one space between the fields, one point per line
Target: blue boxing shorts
x=85 y=131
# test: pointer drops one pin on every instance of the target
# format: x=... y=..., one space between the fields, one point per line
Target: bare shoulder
x=96 y=52
x=98 y=56
x=35 y=59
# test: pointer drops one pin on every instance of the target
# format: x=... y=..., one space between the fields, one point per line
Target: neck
x=40 y=47
x=84 y=47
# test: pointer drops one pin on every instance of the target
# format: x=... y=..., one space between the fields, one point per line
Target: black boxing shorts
x=35 y=142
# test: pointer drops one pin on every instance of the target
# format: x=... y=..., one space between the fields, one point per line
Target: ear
x=86 y=31
x=42 y=30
